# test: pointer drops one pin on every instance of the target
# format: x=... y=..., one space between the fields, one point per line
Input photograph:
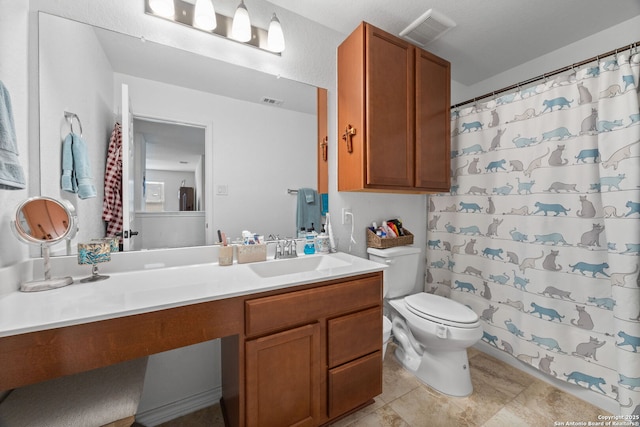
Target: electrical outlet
x=347 y=216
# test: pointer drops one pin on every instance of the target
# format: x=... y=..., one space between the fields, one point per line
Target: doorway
x=171 y=172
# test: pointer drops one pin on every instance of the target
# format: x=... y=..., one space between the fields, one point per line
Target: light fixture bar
x=184 y=12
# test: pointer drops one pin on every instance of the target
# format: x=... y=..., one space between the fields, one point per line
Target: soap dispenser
x=322 y=242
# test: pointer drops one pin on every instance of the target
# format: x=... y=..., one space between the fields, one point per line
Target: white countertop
x=141 y=291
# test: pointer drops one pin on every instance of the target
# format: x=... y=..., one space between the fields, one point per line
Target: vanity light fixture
x=275 y=39
x=241 y=29
x=204 y=16
x=164 y=8
x=201 y=15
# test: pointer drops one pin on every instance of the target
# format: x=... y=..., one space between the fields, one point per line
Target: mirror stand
x=45 y=221
x=47 y=282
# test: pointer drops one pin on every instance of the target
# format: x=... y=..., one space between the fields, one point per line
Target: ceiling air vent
x=430 y=26
x=272 y=101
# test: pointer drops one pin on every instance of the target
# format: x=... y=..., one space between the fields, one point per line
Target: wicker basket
x=375 y=241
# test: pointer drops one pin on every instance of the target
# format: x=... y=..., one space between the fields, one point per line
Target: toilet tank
x=402 y=272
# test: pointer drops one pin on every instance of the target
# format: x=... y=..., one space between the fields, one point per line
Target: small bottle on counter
x=310 y=243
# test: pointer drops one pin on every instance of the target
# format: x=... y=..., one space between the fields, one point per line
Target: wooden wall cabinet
x=315 y=354
x=323 y=142
x=393 y=115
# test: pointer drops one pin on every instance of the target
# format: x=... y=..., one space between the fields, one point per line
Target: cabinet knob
x=347 y=136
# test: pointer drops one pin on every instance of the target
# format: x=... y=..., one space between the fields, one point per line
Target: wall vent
x=430 y=26
x=272 y=101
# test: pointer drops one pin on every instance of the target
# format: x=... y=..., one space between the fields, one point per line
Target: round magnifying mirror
x=45 y=221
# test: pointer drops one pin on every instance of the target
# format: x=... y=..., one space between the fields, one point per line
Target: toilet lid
x=441 y=310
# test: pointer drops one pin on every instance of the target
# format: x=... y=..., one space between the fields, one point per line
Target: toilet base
x=445 y=371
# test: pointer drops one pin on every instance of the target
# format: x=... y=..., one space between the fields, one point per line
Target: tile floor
x=503 y=396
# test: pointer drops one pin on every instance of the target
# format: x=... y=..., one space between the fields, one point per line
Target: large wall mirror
x=213 y=145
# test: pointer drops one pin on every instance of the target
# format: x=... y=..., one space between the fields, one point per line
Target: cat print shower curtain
x=540 y=234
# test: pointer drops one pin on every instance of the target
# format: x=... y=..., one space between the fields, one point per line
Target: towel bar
x=70 y=116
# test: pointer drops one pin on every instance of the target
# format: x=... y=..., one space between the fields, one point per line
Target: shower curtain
x=540 y=234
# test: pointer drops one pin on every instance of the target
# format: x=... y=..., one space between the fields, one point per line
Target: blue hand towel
x=308 y=211
x=76 y=170
x=67 y=166
x=11 y=173
x=82 y=169
x=324 y=198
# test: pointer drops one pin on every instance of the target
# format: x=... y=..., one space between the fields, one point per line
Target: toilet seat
x=441 y=310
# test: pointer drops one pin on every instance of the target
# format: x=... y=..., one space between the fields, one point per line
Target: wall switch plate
x=222 y=190
x=347 y=216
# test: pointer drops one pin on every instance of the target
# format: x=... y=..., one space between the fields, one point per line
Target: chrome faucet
x=287 y=248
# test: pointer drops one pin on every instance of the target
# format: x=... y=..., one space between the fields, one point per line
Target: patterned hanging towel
x=112 y=205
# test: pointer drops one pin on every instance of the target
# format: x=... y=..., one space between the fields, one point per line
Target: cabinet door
x=390 y=106
x=283 y=378
x=433 y=134
x=351 y=112
x=323 y=142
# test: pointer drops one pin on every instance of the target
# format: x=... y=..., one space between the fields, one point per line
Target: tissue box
x=252 y=253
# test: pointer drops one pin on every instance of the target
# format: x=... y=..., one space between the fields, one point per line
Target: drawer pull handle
x=347 y=136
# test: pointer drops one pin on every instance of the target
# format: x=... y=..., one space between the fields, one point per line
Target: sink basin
x=281 y=267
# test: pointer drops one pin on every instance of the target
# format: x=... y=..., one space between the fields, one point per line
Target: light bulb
x=275 y=38
x=204 y=16
x=241 y=28
x=164 y=8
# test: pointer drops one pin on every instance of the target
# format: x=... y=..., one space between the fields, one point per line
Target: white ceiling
x=491 y=36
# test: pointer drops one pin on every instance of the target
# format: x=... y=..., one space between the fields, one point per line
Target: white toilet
x=433 y=332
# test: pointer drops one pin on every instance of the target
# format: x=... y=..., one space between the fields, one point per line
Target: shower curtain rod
x=545 y=75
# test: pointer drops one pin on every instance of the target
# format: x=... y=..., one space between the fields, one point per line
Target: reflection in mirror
x=172 y=161
x=260 y=131
x=44 y=221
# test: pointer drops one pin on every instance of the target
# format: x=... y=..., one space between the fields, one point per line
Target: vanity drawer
x=354 y=384
x=354 y=335
x=276 y=312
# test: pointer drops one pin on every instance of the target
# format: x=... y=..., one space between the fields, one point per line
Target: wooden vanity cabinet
x=283 y=378
x=314 y=354
x=393 y=115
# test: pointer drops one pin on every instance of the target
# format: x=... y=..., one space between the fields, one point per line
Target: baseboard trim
x=155 y=416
